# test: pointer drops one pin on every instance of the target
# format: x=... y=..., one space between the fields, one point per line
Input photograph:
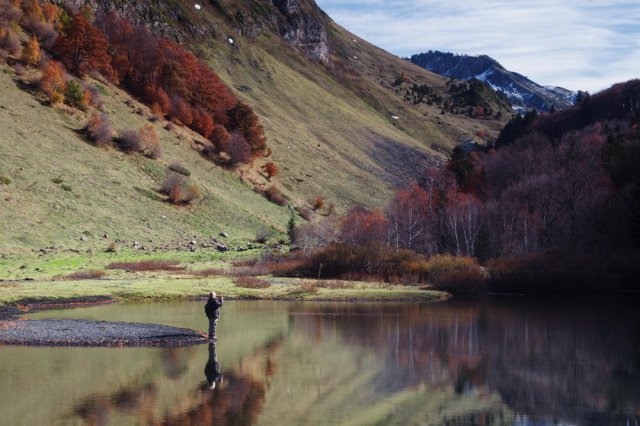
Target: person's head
x=212 y=294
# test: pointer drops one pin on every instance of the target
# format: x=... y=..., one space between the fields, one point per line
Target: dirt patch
x=96 y=333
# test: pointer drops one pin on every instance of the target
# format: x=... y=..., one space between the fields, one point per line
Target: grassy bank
x=32 y=279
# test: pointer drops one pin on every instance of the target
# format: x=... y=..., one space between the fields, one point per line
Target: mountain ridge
x=522 y=92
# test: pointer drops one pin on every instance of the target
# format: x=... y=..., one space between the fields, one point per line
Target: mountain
x=345 y=121
x=522 y=92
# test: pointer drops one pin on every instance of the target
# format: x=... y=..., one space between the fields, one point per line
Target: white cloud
x=578 y=44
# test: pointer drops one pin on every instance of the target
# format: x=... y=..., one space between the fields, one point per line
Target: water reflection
x=212 y=368
x=491 y=363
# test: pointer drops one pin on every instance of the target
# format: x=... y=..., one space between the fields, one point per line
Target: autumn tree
x=242 y=119
x=83 y=48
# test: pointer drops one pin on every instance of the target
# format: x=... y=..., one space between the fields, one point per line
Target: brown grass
x=148 y=265
x=90 y=274
x=210 y=272
x=251 y=282
x=309 y=287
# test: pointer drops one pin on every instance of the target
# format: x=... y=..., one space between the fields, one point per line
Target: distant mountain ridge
x=522 y=92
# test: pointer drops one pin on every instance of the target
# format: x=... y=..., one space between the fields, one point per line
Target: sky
x=575 y=44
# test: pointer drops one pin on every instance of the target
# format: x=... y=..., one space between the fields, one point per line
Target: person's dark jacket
x=212 y=308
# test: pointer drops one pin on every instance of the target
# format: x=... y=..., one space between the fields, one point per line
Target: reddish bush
x=236 y=150
x=218 y=136
x=181 y=111
x=81 y=275
x=148 y=265
x=99 y=130
x=178 y=189
x=129 y=140
x=53 y=82
x=270 y=169
x=211 y=272
x=242 y=119
x=251 y=282
x=317 y=203
x=274 y=195
x=150 y=141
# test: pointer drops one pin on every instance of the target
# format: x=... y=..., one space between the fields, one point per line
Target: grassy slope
x=111 y=193
x=331 y=132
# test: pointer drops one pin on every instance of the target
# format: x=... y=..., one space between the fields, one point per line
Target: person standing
x=212 y=309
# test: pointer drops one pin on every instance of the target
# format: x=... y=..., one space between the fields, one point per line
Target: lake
x=495 y=362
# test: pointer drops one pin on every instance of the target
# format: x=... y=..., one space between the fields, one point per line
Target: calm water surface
x=501 y=362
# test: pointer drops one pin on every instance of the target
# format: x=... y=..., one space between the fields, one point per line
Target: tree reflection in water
x=578 y=364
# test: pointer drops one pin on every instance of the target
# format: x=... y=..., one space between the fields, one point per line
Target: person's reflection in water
x=212 y=369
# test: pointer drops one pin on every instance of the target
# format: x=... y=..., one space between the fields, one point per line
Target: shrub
x=5 y=180
x=309 y=287
x=94 y=96
x=179 y=168
x=129 y=140
x=11 y=43
x=211 y=272
x=150 y=142
x=66 y=188
x=263 y=234
x=237 y=149
x=457 y=275
x=305 y=212
x=317 y=203
x=99 y=129
x=31 y=53
x=52 y=81
x=178 y=189
x=274 y=195
x=74 y=95
x=251 y=282
x=111 y=248
x=81 y=275
x=270 y=169
x=148 y=265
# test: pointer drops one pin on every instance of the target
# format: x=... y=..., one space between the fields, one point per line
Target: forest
x=553 y=206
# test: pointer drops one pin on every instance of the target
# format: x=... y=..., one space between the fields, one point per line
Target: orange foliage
x=150 y=141
x=52 y=82
x=271 y=169
x=31 y=53
x=32 y=9
x=317 y=203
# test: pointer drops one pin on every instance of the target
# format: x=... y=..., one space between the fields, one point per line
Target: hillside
x=522 y=92
x=338 y=126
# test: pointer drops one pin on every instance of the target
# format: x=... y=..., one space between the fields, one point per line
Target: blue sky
x=576 y=44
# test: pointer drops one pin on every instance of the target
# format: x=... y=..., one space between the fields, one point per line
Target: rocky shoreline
x=87 y=333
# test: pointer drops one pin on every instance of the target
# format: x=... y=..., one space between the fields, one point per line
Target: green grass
x=38 y=279
x=106 y=191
